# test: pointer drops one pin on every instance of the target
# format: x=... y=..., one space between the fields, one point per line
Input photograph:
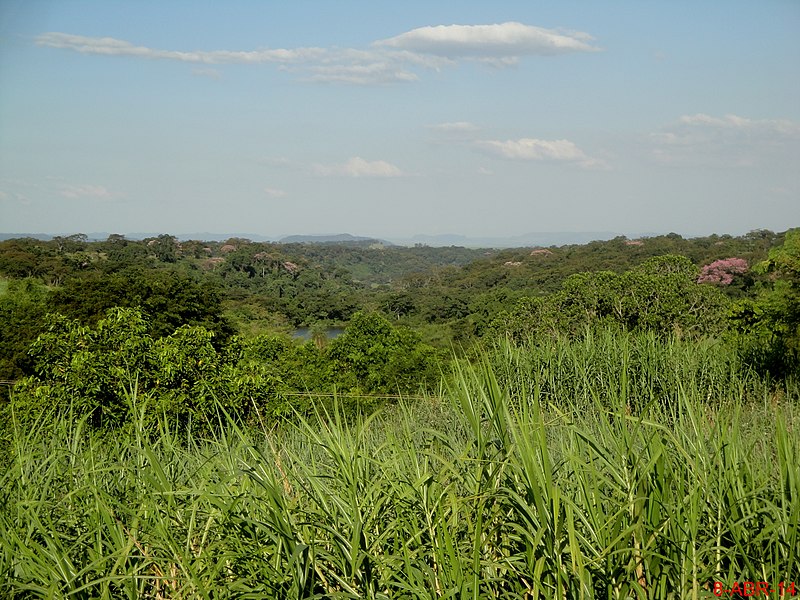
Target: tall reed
x=600 y=468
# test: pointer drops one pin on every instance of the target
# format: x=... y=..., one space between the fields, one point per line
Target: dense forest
x=616 y=419
x=450 y=297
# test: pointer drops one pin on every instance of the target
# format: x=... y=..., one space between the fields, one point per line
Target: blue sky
x=387 y=119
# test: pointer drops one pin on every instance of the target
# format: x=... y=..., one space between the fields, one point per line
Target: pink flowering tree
x=722 y=271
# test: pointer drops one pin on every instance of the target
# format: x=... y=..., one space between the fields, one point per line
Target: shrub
x=722 y=271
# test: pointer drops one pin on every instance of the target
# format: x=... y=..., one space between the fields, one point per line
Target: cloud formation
x=274 y=193
x=455 y=127
x=14 y=197
x=360 y=74
x=770 y=127
x=504 y=41
x=207 y=72
x=108 y=46
x=728 y=141
x=455 y=132
x=391 y=60
x=532 y=149
x=97 y=192
x=358 y=167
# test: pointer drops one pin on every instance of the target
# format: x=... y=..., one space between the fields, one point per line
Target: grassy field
x=608 y=467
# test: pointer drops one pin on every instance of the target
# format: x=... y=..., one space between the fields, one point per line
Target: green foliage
x=374 y=356
x=642 y=369
x=190 y=293
x=22 y=310
x=770 y=322
x=169 y=299
x=21 y=258
x=663 y=295
x=451 y=294
x=660 y=295
x=483 y=493
x=164 y=247
x=93 y=372
x=86 y=372
x=607 y=441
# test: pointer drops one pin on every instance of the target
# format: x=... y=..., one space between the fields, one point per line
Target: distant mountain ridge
x=542 y=238
x=339 y=238
x=37 y=236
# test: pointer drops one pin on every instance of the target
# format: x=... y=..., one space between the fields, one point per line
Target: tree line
x=197 y=322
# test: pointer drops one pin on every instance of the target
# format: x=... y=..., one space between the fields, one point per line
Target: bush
x=94 y=372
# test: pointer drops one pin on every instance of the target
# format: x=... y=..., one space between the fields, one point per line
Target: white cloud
x=386 y=61
x=14 y=197
x=347 y=65
x=207 y=72
x=776 y=127
x=427 y=61
x=541 y=150
x=456 y=132
x=533 y=149
x=108 y=46
x=779 y=190
x=280 y=161
x=727 y=141
x=358 y=167
x=499 y=41
x=85 y=191
x=274 y=193
x=455 y=127
x=358 y=74
x=367 y=67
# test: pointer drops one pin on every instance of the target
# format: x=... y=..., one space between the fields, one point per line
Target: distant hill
x=339 y=238
x=100 y=236
x=542 y=238
x=205 y=236
x=37 y=236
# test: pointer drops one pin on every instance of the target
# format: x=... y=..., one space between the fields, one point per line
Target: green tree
x=22 y=311
x=71 y=243
x=771 y=321
x=374 y=356
x=168 y=298
x=96 y=372
x=164 y=247
x=89 y=371
x=20 y=258
x=660 y=295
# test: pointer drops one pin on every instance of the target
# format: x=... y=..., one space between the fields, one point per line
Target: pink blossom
x=722 y=271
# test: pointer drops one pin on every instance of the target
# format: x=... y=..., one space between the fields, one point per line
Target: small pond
x=331 y=333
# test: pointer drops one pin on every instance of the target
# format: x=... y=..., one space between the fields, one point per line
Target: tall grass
x=620 y=486
x=640 y=369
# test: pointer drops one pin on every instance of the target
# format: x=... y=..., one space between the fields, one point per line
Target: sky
x=394 y=119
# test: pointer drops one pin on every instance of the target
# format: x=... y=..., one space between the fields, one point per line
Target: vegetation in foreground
x=623 y=432
x=546 y=471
